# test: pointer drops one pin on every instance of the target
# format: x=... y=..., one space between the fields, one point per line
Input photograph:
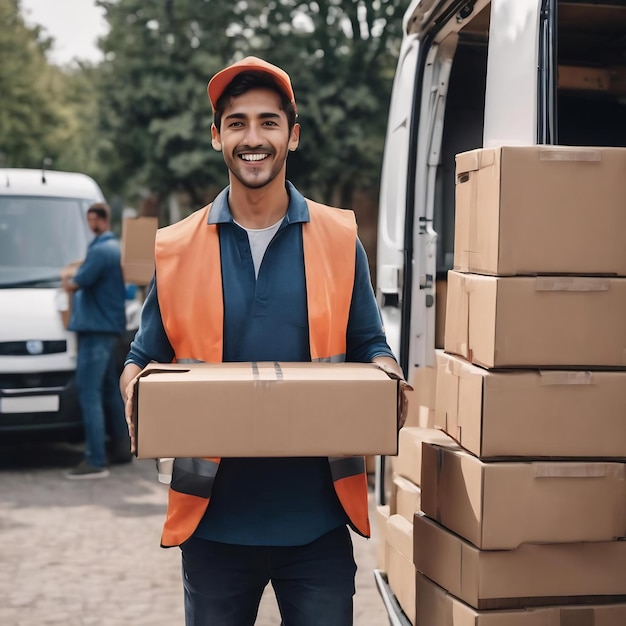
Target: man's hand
x=67 y=274
x=127 y=385
x=403 y=402
x=393 y=370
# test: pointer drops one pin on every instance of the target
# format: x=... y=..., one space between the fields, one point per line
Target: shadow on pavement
x=32 y=475
x=18 y=455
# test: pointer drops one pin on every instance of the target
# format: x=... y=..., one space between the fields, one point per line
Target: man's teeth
x=253 y=157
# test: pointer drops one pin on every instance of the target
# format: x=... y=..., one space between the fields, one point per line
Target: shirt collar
x=297 y=211
x=102 y=237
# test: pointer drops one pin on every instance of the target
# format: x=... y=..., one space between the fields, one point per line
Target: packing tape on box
x=458 y=369
x=571 y=283
x=469 y=245
x=465 y=346
x=577 y=617
x=473 y=225
x=576 y=470
x=565 y=378
x=267 y=373
x=452 y=368
x=440 y=461
x=556 y=154
x=478 y=159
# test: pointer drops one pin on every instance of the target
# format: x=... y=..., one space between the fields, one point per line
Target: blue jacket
x=261 y=501
x=99 y=303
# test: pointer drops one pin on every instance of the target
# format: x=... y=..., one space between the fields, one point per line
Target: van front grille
x=32 y=348
x=34 y=380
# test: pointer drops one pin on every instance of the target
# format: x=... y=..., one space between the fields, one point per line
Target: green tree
x=159 y=55
x=30 y=115
x=341 y=55
x=47 y=112
x=155 y=111
x=81 y=139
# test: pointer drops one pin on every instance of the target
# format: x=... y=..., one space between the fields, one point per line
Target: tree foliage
x=140 y=120
x=155 y=109
x=341 y=55
x=160 y=55
x=28 y=115
x=47 y=112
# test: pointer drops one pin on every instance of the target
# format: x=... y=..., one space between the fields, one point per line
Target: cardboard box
x=382 y=515
x=441 y=296
x=537 y=322
x=425 y=417
x=63 y=298
x=437 y=607
x=138 y=235
x=531 y=575
x=408 y=463
x=405 y=498
x=540 y=210
x=400 y=569
x=422 y=398
x=531 y=413
x=572 y=77
x=498 y=506
x=63 y=304
x=264 y=409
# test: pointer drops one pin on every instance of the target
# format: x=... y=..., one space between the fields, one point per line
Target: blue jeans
x=314 y=584
x=99 y=394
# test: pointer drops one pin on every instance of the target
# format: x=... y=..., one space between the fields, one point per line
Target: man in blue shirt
x=275 y=520
x=98 y=317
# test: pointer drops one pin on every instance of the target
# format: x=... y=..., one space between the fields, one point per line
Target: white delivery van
x=42 y=228
x=473 y=74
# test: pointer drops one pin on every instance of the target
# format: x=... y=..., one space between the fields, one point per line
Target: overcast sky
x=75 y=26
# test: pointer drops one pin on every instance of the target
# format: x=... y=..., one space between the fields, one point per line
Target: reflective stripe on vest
x=188 y=498
x=187 y=255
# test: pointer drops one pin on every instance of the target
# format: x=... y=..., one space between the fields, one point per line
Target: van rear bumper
x=46 y=402
x=42 y=409
x=392 y=606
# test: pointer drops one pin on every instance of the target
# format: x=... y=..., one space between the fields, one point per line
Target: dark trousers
x=314 y=583
x=97 y=383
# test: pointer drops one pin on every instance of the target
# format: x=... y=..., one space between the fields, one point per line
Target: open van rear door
x=483 y=73
x=391 y=255
x=406 y=255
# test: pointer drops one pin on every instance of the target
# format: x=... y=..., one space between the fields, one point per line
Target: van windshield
x=39 y=236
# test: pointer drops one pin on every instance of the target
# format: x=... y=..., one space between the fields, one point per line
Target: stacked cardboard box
x=420 y=414
x=394 y=528
x=522 y=521
x=396 y=519
x=137 y=244
x=281 y=409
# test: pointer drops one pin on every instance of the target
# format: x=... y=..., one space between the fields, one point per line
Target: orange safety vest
x=189 y=275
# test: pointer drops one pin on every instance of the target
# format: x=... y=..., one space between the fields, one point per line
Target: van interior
x=590 y=98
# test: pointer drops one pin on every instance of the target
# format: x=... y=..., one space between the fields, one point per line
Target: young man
x=262 y=274
x=98 y=317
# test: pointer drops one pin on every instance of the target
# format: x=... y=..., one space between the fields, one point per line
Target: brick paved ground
x=86 y=553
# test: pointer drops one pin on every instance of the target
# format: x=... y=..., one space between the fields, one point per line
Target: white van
x=42 y=228
x=472 y=74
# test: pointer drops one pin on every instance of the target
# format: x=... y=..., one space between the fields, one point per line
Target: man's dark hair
x=101 y=209
x=253 y=80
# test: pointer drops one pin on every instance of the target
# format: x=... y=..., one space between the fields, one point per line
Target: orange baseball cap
x=223 y=78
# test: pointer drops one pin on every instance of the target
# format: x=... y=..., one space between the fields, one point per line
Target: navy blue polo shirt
x=99 y=303
x=269 y=501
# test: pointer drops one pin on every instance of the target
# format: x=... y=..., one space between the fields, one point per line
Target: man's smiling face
x=254 y=137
